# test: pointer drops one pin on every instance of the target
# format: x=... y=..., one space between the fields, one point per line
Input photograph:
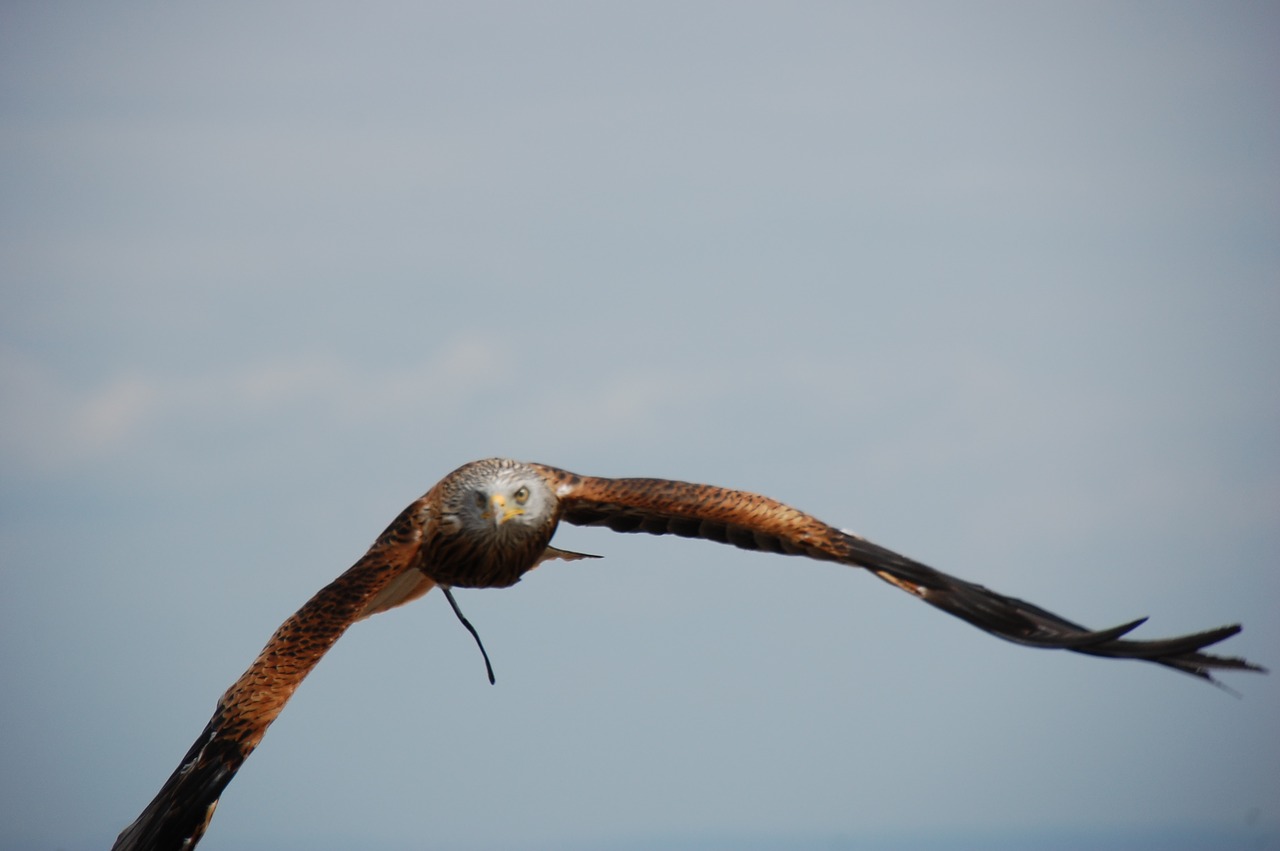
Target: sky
x=993 y=284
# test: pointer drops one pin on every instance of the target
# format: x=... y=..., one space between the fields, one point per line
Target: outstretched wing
x=384 y=578
x=754 y=522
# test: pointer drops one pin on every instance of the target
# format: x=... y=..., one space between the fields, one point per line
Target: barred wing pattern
x=754 y=522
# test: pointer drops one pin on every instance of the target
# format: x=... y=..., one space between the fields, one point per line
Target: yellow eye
x=522 y=495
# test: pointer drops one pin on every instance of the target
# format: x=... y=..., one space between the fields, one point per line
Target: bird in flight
x=489 y=522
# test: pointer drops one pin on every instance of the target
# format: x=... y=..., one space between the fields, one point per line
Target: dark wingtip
x=1099 y=636
x=1183 y=653
x=1025 y=623
x=180 y=812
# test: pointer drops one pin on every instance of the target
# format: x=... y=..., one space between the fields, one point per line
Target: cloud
x=111 y=414
x=50 y=424
x=53 y=424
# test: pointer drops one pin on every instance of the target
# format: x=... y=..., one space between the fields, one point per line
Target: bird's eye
x=522 y=495
x=480 y=500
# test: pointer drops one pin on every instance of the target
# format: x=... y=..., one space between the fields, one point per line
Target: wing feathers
x=664 y=507
x=754 y=522
x=178 y=815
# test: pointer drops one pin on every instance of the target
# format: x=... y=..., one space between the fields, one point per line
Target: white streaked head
x=498 y=494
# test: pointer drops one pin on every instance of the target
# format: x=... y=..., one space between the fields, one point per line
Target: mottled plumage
x=489 y=522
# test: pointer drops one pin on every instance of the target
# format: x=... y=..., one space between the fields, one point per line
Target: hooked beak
x=499 y=511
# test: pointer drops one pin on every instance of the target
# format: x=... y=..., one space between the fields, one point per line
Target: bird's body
x=489 y=522
x=495 y=521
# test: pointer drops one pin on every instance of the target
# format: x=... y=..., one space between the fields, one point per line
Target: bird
x=489 y=522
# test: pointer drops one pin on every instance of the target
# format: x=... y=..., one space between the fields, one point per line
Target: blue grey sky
x=993 y=284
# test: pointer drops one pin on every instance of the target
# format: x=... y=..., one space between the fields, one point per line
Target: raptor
x=489 y=522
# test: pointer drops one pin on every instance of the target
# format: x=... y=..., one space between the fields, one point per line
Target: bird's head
x=501 y=500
